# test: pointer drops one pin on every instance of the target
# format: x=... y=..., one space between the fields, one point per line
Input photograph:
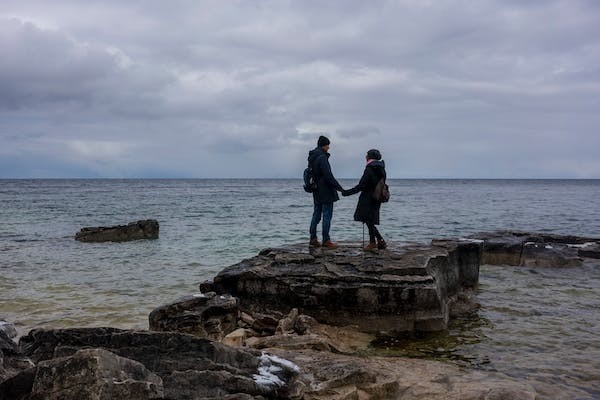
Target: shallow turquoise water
x=539 y=325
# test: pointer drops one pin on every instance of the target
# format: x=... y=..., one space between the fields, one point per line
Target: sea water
x=536 y=324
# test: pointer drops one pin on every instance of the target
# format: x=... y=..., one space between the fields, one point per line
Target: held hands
x=345 y=193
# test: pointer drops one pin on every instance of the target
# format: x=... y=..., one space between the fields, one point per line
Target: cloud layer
x=243 y=89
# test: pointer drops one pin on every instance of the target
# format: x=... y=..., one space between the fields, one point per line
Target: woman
x=367 y=209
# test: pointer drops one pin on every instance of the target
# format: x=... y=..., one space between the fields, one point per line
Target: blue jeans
x=327 y=211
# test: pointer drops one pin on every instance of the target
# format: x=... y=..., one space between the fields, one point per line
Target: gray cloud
x=242 y=89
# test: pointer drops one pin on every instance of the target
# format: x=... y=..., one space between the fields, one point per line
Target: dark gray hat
x=323 y=141
x=373 y=154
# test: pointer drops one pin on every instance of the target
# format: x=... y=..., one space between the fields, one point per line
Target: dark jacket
x=367 y=209
x=327 y=186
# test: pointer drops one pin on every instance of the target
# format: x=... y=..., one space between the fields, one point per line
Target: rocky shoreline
x=292 y=322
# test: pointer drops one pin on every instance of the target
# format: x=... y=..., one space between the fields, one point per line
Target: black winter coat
x=327 y=186
x=367 y=209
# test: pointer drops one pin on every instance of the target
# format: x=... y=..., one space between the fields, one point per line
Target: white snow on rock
x=8 y=328
x=268 y=369
x=471 y=240
x=582 y=246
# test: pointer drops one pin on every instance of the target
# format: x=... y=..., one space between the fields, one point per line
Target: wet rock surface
x=143 y=229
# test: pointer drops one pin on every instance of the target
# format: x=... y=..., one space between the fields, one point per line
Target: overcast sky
x=465 y=89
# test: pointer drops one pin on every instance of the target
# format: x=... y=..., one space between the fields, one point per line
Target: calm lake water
x=540 y=325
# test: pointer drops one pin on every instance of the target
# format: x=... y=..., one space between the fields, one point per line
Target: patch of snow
x=471 y=240
x=8 y=328
x=548 y=247
x=198 y=295
x=582 y=246
x=268 y=368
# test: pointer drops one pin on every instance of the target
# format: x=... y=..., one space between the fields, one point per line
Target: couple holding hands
x=325 y=194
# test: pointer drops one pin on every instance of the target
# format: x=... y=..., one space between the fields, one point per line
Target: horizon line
x=295 y=178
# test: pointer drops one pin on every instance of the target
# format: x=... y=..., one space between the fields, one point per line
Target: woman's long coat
x=367 y=209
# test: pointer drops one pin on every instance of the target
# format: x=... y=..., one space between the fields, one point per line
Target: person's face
x=326 y=148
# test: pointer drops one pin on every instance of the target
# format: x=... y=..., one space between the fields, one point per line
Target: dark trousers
x=373 y=233
x=327 y=211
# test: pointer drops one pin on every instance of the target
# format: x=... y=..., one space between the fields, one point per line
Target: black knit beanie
x=323 y=141
x=373 y=154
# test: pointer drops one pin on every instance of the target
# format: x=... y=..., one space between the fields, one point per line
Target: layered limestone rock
x=412 y=287
x=205 y=315
x=94 y=374
x=190 y=367
x=404 y=288
x=144 y=229
x=536 y=249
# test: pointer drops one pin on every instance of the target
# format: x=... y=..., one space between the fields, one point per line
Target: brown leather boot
x=370 y=247
x=381 y=244
x=314 y=243
x=330 y=245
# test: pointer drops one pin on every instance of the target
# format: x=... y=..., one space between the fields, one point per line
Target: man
x=326 y=193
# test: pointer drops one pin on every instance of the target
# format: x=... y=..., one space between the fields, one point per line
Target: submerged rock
x=143 y=229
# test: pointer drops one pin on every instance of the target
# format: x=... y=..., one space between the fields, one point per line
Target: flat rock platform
x=407 y=287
